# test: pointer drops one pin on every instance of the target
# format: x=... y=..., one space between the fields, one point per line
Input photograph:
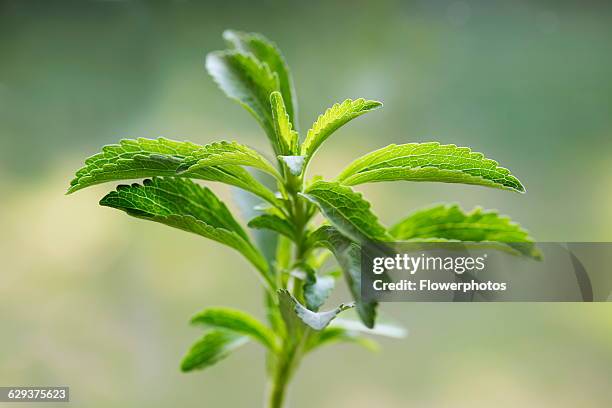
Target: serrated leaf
x=334 y=118
x=223 y=153
x=429 y=162
x=348 y=256
x=273 y=223
x=213 y=347
x=331 y=335
x=142 y=158
x=267 y=52
x=451 y=222
x=347 y=210
x=238 y=322
x=295 y=164
x=247 y=80
x=180 y=203
x=297 y=317
x=287 y=138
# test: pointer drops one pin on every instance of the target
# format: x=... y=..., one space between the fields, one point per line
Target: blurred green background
x=98 y=301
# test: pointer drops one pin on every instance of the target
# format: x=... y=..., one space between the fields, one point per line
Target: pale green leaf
x=294 y=325
x=383 y=327
x=317 y=289
x=295 y=164
x=429 y=162
x=332 y=119
x=213 y=347
x=287 y=138
x=238 y=322
x=267 y=52
x=348 y=256
x=451 y=222
x=331 y=335
x=247 y=80
x=142 y=158
x=182 y=204
x=223 y=153
x=273 y=223
x=347 y=210
x=251 y=206
x=296 y=315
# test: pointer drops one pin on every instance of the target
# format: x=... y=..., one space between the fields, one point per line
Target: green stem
x=279 y=381
x=285 y=362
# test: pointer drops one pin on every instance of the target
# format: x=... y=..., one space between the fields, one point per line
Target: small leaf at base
x=213 y=347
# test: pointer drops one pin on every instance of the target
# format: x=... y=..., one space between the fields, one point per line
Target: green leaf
x=213 y=347
x=331 y=335
x=221 y=153
x=429 y=162
x=250 y=82
x=451 y=222
x=348 y=256
x=295 y=164
x=180 y=203
x=297 y=317
x=287 y=138
x=273 y=223
x=238 y=322
x=347 y=210
x=346 y=329
x=384 y=328
x=142 y=158
x=334 y=118
x=317 y=289
x=267 y=52
x=295 y=326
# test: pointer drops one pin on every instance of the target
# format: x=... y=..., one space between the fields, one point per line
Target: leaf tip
x=372 y=105
x=275 y=96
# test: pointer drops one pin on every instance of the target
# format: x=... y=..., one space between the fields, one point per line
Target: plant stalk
x=277 y=386
x=284 y=363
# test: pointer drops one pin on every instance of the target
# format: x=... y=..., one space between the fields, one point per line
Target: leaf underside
x=299 y=318
x=348 y=256
x=451 y=222
x=429 y=162
x=183 y=204
x=331 y=335
x=273 y=223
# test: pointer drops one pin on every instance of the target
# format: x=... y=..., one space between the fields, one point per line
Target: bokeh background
x=98 y=301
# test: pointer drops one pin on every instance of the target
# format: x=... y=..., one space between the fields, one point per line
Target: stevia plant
x=295 y=274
